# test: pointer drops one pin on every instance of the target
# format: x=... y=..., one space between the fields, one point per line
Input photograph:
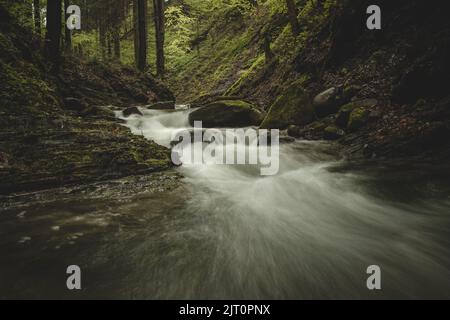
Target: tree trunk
x=102 y=38
x=37 y=16
x=53 y=36
x=116 y=41
x=117 y=15
x=109 y=42
x=67 y=32
x=142 y=31
x=158 y=6
x=293 y=13
x=136 y=32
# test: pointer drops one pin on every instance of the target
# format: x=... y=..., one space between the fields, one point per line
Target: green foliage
x=22 y=11
x=179 y=34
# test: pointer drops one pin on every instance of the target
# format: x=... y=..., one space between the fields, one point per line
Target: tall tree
x=117 y=20
x=102 y=37
x=37 y=16
x=142 y=31
x=136 y=31
x=53 y=36
x=293 y=13
x=68 y=32
x=158 y=6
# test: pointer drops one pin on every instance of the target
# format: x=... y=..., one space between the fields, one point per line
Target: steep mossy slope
x=53 y=130
x=404 y=67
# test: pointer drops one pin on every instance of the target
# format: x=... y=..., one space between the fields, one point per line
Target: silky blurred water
x=310 y=231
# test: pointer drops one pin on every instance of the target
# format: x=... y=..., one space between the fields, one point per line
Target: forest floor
x=54 y=127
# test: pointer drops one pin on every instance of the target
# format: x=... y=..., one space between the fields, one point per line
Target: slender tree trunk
x=109 y=42
x=293 y=13
x=67 y=32
x=116 y=41
x=136 y=32
x=158 y=6
x=142 y=31
x=53 y=36
x=102 y=38
x=37 y=16
x=116 y=32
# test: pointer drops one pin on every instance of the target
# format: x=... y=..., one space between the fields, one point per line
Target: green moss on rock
x=344 y=114
x=292 y=107
x=227 y=113
x=333 y=133
x=358 y=118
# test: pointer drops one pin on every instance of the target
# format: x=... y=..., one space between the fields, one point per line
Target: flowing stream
x=310 y=231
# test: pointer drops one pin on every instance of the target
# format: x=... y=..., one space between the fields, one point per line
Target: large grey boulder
x=326 y=102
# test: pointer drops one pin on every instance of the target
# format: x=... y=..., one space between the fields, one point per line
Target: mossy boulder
x=343 y=116
x=333 y=133
x=294 y=131
x=350 y=91
x=162 y=105
x=358 y=118
x=292 y=107
x=227 y=113
x=207 y=99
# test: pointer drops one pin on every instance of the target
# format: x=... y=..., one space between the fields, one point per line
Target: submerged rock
x=227 y=113
x=131 y=110
x=292 y=107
